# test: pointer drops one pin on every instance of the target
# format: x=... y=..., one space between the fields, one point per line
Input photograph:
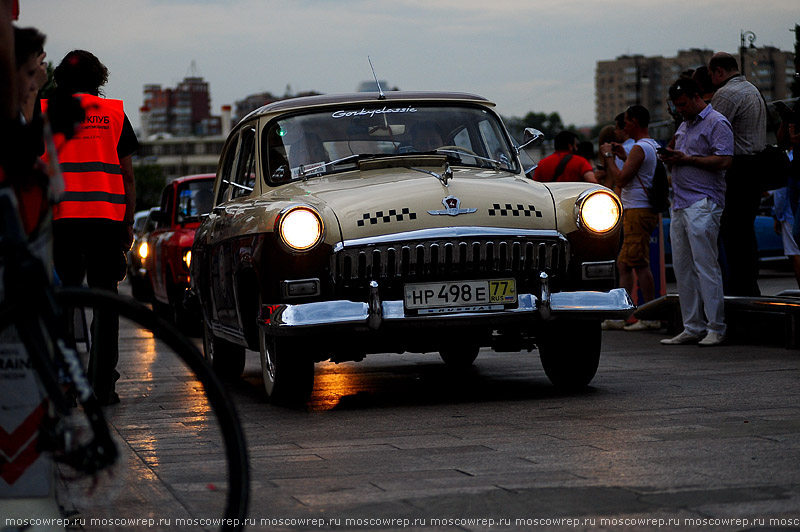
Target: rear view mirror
x=530 y=136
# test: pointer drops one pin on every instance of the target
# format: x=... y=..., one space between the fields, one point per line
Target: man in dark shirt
x=742 y=104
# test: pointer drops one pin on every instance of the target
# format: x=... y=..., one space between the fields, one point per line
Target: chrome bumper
x=287 y=320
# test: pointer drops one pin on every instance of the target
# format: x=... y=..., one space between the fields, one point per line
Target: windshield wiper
x=315 y=168
x=497 y=164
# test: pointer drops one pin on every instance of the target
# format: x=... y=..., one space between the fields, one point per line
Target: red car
x=183 y=202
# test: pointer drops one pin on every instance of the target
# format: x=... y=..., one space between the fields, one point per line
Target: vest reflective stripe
x=105 y=168
x=90 y=164
x=117 y=199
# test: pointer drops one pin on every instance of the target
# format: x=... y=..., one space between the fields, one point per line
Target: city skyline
x=525 y=57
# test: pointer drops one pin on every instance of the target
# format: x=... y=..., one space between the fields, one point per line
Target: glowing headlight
x=598 y=211
x=300 y=228
x=143 y=250
x=187 y=258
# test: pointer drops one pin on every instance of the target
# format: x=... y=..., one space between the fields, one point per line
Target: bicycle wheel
x=189 y=456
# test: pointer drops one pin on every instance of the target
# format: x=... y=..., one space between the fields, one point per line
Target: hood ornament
x=453 y=207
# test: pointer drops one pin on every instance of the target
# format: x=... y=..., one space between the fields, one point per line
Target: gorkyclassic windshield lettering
x=372 y=112
x=404 y=224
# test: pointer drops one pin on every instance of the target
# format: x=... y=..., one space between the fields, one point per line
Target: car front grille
x=449 y=257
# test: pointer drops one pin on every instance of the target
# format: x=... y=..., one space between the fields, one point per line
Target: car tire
x=570 y=352
x=287 y=369
x=459 y=356
x=225 y=358
x=183 y=319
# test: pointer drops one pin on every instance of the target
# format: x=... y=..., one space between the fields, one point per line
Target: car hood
x=395 y=200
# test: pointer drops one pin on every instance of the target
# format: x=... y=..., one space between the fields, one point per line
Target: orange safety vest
x=93 y=186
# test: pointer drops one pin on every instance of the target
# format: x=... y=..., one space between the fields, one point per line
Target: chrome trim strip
x=447 y=233
x=359 y=317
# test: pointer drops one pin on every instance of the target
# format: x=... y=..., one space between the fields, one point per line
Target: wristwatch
x=608 y=154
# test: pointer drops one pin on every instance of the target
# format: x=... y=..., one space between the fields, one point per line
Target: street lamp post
x=749 y=36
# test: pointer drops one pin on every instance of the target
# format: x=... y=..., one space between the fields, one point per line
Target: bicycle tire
x=233 y=436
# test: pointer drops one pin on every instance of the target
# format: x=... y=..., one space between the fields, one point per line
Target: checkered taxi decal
x=514 y=210
x=386 y=217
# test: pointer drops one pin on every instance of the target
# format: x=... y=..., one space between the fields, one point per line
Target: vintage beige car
x=398 y=222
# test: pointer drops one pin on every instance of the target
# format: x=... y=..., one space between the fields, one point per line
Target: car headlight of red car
x=598 y=211
x=300 y=228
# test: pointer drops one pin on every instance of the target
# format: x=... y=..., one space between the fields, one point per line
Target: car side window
x=245 y=178
x=226 y=173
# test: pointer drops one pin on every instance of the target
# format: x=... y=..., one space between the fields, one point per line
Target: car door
x=238 y=178
x=218 y=270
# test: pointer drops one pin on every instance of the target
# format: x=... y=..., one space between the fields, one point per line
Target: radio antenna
x=381 y=95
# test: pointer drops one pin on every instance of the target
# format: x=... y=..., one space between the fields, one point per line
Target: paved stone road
x=696 y=436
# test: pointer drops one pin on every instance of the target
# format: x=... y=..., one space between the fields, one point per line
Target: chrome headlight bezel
x=592 y=206
x=300 y=228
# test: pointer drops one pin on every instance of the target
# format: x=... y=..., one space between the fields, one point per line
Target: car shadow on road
x=381 y=381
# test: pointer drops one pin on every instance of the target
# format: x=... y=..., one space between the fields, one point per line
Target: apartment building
x=632 y=79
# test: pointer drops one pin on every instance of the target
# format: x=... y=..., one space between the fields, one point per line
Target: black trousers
x=93 y=249
x=737 y=228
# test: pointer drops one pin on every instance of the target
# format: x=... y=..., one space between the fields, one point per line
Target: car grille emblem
x=453 y=207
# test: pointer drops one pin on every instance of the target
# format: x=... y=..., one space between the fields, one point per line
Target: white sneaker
x=712 y=339
x=682 y=339
x=643 y=325
x=608 y=325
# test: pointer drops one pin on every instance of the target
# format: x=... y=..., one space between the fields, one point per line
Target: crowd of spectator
x=717 y=185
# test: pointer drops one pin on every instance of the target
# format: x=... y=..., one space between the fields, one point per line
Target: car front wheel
x=225 y=358
x=287 y=369
x=570 y=352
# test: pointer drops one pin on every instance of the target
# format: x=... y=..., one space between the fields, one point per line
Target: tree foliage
x=548 y=123
x=149 y=184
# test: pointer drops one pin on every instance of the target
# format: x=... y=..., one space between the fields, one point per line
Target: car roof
x=372 y=98
x=194 y=177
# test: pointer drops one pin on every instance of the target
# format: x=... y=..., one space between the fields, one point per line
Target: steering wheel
x=457 y=148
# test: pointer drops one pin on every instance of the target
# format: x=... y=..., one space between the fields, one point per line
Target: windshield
x=333 y=140
x=194 y=198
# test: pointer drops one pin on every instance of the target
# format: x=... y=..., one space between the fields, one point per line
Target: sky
x=524 y=55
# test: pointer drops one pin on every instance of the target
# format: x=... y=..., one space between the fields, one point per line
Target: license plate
x=461 y=294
